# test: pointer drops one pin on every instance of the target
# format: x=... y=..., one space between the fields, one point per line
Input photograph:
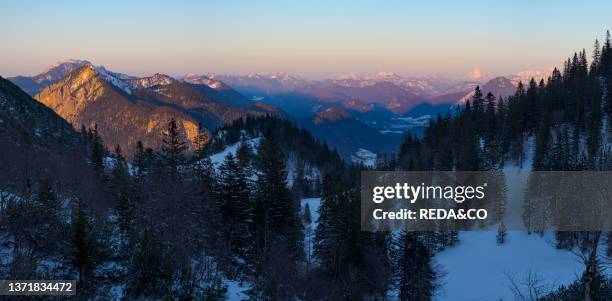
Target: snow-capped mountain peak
x=281 y=76
x=351 y=75
x=498 y=86
x=204 y=80
x=526 y=75
x=386 y=75
x=417 y=86
x=478 y=75
x=59 y=70
x=255 y=84
x=378 y=76
x=156 y=79
x=112 y=78
x=64 y=64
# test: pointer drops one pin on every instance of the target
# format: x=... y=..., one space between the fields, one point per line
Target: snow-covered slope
x=420 y=86
x=218 y=158
x=310 y=172
x=156 y=79
x=116 y=79
x=310 y=229
x=236 y=291
x=365 y=157
x=204 y=80
x=479 y=269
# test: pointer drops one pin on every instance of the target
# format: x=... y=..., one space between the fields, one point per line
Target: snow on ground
x=6 y=196
x=365 y=157
x=112 y=78
x=218 y=158
x=314 y=204
x=478 y=268
x=116 y=292
x=6 y=251
x=309 y=229
x=236 y=291
x=310 y=172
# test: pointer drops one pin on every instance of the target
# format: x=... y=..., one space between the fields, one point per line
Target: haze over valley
x=354 y=113
x=306 y=150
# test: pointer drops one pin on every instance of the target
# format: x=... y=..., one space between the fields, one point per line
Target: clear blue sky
x=309 y=38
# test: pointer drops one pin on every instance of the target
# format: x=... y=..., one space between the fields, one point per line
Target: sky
x=312 y=39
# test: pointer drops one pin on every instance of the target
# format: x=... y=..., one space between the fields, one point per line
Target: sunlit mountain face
x=126 y=109
x=386 y=102
x=306 y=150
x=382 y=106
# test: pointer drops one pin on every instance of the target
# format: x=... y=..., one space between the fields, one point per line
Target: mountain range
x=350 y=112
x=127 y=109
x=33 y=84
x=499 y=86
x=394 y=92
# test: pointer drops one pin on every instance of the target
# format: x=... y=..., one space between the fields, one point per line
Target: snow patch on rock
x=113 y=79
x=364 y=157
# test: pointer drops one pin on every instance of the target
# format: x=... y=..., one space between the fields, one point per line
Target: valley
x=306 y=150
x=352 y=112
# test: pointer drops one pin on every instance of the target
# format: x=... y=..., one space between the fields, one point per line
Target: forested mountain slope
x=38 y=145
x=561 y=124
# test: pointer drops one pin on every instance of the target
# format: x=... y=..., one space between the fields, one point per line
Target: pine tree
x=328 y=229
x=38 y=227
x=491 y=148
x=469 y=154
x=203 y=186
x=84 y=246
x=501 y=234
x=593 y=278
x=530 y=106
x=307 y=216
x=202 y=167
x=204 y=175
x=413 y=271
x=46 y=197
x=234 y=207
x=276 y=225
x=200 y=143
x=495 y=198
x=123 y=194
x=271 y=190
x=298 y=183
x=596 y=61
x=347 y=256
x=478 y=106
x=173 y=149
x=244 y=154
x=150 y=272
x=490 y=115
x=97 y=151
x=143 y=160
x=606 y=58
